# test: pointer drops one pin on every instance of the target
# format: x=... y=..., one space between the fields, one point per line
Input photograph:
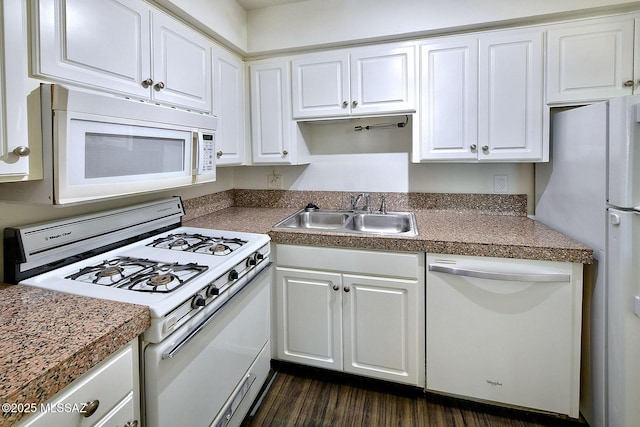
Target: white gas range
x=208 y=293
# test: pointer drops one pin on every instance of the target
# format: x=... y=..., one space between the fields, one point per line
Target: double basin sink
x=390 y=223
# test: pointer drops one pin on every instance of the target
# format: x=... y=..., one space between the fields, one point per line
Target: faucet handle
x=383 y=204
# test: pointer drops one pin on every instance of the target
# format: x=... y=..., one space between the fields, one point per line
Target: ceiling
x=260 y=4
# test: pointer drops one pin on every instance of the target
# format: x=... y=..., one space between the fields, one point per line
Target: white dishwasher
x=505 y=331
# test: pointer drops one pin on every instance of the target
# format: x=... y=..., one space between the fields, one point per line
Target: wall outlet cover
x=274 y=181
x=500 y=183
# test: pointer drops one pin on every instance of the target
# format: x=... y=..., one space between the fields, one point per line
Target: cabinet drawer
x=111 y=383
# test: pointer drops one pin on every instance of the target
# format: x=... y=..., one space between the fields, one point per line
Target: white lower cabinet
x=107 y=395
x=360 y=312
x=505 y=330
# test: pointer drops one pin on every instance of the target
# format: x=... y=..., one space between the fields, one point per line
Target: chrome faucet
x=383 y=204
x=356 y=199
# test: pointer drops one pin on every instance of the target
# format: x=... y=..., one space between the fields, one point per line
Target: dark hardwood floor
x=307 y=397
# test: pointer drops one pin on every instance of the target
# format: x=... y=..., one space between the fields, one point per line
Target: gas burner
x=198 y=243
x=139 y=274
x=111 y=272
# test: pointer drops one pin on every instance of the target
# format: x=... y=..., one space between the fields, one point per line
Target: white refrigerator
x=590 y=190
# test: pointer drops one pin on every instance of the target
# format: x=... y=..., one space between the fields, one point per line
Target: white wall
x=379 y=161
x=224 y=20
x=329 y=22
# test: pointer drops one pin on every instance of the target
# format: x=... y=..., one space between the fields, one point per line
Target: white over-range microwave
x=98 y=146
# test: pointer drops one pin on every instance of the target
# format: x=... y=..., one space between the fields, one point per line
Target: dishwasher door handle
x=495 y=275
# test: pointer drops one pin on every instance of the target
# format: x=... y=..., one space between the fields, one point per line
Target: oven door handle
x=189 y=337
x=171 y=353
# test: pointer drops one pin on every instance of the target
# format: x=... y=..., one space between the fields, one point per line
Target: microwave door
x=98 y=159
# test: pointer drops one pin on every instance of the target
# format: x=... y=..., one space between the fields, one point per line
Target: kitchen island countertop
x=49 y=339
x=439 y=231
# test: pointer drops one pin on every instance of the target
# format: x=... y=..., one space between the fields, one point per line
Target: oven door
x=192 y=379
x=97 y=158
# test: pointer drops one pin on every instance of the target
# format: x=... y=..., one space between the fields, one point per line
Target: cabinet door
x=228 y=105
x=271 y=113
x=18 y=161
x=510 y=104
x=590 y=61
x=309 y=317
x=384 y=328
x=181 y=65
x=102 y=43
x=383 y=80
x=449 y=99
x=320 y=86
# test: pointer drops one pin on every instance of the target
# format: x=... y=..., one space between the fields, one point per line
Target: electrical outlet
x=500 y=183
x=274 y=181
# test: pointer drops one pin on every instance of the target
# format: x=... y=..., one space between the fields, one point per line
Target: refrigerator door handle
x=636 y=305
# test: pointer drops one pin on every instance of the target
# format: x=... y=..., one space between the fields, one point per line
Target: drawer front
x=408 y=265
x=109 y=382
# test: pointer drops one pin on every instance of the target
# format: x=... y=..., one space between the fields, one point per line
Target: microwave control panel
x=206 y=153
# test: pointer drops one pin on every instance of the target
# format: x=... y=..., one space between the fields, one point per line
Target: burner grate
x=139 y=274
x=198 y=243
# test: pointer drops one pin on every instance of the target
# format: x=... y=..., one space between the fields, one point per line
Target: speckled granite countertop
x=439 y=231
x=49 y=339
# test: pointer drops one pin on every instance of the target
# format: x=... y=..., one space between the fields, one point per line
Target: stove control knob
x=213 y=291
x=198 y=301
x=259 y=256
x=233 y=275
x=251 y=261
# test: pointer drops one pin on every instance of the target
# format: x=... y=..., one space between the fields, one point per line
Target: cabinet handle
x=473 y=147
x=158 y=86
x=219 y=154
x=628 y=83
x=285 y=153
x=345 y=104
x=485 y=148
x=22 y=151
x=355 y=104
x=347 y=289
x=133 y=423
x=336 y=287
x=146 y=83
x=90 y=408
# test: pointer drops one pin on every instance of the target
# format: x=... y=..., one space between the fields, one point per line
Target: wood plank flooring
x=306 y=397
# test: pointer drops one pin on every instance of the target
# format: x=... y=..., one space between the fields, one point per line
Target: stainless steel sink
x=322 y=220
x=391 y=223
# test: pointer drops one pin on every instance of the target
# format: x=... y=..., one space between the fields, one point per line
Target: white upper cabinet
x=123 y=46
x=355 y=82
x=181 y=71
x=449 y=93
x=275 y=137
x=229 y=106
x=19 y=159
x=510 y=96
x=591 y=60
x=482 y=98
x=321 y=85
